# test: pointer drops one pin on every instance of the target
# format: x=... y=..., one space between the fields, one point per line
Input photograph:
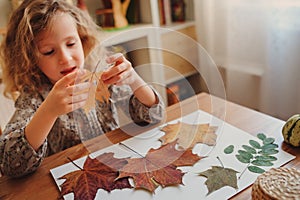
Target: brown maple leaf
x=98 y=90
x=100 y=172
x=188 y=135
x=218 y=177
x=158 y=167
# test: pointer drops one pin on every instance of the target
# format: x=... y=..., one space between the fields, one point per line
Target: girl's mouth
x=68 y=70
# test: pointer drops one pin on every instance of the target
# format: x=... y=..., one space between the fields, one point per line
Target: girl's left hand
x=121 y=72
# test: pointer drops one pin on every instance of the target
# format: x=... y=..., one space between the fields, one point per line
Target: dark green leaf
x=242 y=159
x=256 y=169
x=266 y=158
x=269 y=146
x=268 y=140
x=261 y=136
x=245 y=154
x=254 y=144
x=261 y=163
x=229 y=149
x=249 y=149
x=269 y=151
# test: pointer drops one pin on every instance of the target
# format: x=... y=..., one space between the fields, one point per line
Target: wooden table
x=41 y=185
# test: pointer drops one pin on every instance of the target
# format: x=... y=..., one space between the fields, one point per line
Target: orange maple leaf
x=188 y=135
x=100 y=172
x=158 y=167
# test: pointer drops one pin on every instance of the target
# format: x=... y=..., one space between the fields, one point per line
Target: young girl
x=43 y=53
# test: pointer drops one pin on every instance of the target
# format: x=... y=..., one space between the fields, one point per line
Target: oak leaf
x=188 y=135
x=98 y=90
x=158 y=167
x=218 y=177
x=100 y=172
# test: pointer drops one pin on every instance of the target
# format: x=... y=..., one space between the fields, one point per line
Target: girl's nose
x=64 y=57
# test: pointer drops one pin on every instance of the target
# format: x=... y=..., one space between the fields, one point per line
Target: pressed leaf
x=242 y=159
x=269 y=146
x=254 y=144
x=188 y=135
x=245 y=154
x=218 y=177
x=266 y=158
x=94 y=175
x=269 y=151
x=262 y=163
x=256 y=169
x=249 y=149
x=158 y=167
x=261 y=136
x=229 y=149
x=268 y=140
x=97 y=91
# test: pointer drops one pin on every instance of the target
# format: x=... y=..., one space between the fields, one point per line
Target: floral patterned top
x=18 y=158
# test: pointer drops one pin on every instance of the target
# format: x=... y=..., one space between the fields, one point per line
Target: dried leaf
x=98 y=90
x=100 y=172
x=188 y=134
x=158 y=167
x=218 y=177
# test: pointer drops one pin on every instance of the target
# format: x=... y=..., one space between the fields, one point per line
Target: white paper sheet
x=194 y=187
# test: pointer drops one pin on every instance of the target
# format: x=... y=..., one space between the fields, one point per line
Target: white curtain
x=259 y=39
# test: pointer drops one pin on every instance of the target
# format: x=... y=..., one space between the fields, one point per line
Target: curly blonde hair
x=19 y=52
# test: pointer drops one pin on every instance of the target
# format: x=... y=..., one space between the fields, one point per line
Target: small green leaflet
x=218 y=177
x=229 y=149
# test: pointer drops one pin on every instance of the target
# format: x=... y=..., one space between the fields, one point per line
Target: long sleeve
x=17 y=157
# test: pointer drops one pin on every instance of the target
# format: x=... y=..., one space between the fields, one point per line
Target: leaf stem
x=74 y=163
x=131 y=149
x=220 y=161
x=244 y=171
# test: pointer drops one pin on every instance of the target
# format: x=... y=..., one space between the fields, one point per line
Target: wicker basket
x=277 y=183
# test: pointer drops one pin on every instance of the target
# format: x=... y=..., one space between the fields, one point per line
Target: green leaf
x=245 y=154
x=256 y=169
x=261 y=163
x=269 y=146
x=249 y=149
x=229 y=149
x=261 y=136
x=268 y=151
x=242 y=159
x=268 y=140
x=254 y=144
x=266 y=158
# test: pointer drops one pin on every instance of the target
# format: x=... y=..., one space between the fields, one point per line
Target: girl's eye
x=71 y=44
x=48 y=53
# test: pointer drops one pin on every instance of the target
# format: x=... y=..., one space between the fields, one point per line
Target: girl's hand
x=67 y=96
x=121 y=72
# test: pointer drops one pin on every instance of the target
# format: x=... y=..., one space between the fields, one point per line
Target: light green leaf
x=269 y=146
x=268 y=140
x=268 y=151
x=261 y=136
x=256 y=169
x=245 y=154
x=242 y=159
x=254 y=144
x=249 y=149
x=229 y=149
x=261 y=163
x=266 y=158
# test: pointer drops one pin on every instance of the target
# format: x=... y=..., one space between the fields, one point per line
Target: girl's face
x=60 y=48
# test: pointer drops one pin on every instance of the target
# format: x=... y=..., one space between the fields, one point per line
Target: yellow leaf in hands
x=188 y=135
x=97 y=91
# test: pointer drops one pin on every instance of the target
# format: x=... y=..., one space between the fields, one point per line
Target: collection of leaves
x=159 y=167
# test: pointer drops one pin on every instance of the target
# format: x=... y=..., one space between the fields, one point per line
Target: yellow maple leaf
x=188 y=135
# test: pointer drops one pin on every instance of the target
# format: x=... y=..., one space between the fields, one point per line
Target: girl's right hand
x=66 y=95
